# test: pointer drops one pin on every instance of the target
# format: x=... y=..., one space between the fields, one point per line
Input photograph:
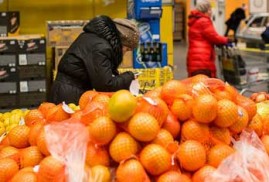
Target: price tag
x=22 y=59
x=24 y=86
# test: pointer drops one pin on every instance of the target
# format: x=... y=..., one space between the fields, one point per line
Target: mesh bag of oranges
x=68 y=143
x=250 y=162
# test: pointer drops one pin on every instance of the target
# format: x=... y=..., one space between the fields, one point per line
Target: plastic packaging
x=250 y=162
x=67 y=141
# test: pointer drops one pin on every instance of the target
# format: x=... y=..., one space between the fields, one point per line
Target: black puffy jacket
x=90 y=63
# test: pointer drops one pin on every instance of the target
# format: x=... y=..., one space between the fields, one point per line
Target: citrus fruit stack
x=178 y=132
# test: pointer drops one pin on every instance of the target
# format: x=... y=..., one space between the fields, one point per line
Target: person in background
x=202 y=38
x=234 y=21
x=92 y=60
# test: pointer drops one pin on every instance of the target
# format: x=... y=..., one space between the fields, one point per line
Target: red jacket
x=202 y=38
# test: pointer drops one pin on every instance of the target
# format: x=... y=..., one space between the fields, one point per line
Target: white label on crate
x=12 y=42
x=22 y=59
x=24 y=86
x=42 y=41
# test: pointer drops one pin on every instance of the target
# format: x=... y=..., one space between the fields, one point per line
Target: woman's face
x=209 y=12
x=125 y=49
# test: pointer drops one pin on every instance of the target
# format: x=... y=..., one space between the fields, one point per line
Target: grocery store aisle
x=180 y=53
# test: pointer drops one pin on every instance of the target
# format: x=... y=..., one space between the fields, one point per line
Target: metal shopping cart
x=246 y=69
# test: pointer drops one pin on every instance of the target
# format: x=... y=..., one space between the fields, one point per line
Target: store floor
x=180 y=53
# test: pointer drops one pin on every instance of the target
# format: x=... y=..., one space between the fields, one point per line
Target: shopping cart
x=232 y=66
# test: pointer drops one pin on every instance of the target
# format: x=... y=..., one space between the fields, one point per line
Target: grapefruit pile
x=178 y=132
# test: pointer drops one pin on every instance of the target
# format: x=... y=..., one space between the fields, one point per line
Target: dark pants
x=204 y=72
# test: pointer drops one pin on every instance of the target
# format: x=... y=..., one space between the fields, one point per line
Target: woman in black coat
x=92 y=60
x=234 y=21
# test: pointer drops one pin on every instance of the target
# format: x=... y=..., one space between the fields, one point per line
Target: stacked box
x=63 y=33
x=32 y=71
x=8 y=73
x=9 y=23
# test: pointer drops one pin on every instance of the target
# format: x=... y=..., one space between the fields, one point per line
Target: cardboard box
x=58 y=54
x=8 y=45
x=9 y=23
x=31 y=99
x=63 y=33
x=28 y=72
x=8 y=87
x=8 y=101
x=33 y=86
x=32 y=43
x=8 y=73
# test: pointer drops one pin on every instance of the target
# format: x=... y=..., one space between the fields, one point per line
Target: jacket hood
x=104 y=27
x=194 y=16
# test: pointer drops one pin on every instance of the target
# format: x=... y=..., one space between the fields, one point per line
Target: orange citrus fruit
x=241 y=122
x=10 y=152
x=227 y=113
x=24 y=176
x=102 y=130
x=45 y=107
x=51 y=169
x=97 y=155
x=56 y=114
x=248 y=104
x=155 y=159
x=205 y=108
x=182 y=107
x=122 y=147
x=86 y=97
x=171 y=89
x=92 y=111
x=172 y=176
x=171 y=124
x=143 y=127
x=132 y=170
x=18 y=136
x=41 y=142
x=154 y=106
x=203 y=173
x=122 y=105
x=8 y=168
x=218 y=153
x=101 y=173
x=34 y=132
x=191 y=155
x=192 y=130
x=256 y=124
x=101 y=98
x=163 y=138
x=221 y=135
x=30 y=156
x=34 y=116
